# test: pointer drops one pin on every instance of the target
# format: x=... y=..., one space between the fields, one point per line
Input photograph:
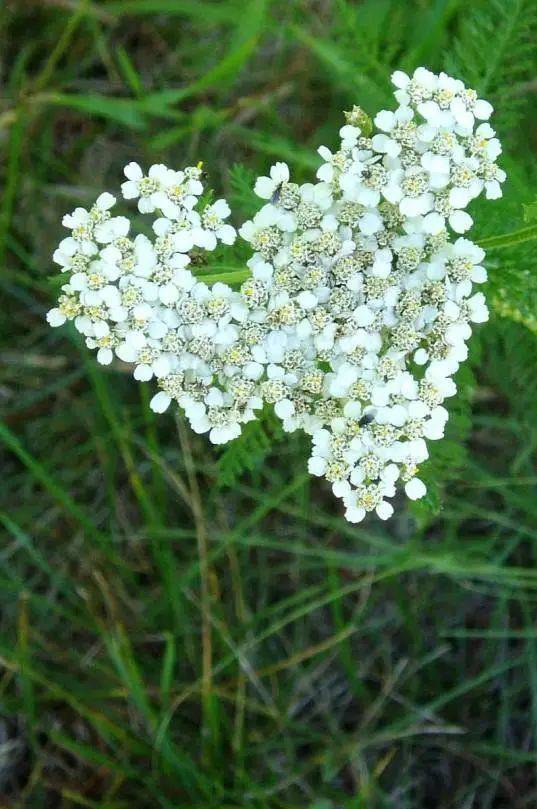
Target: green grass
x=187 y=627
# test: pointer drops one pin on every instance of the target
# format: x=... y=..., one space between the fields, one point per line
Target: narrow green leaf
x=47 y=480
x=11 y=184
x=167 y=671
x=129 y=71
x=123 y=111
x=206 y=12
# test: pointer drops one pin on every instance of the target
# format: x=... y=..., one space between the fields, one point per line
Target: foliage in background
x=181 y=629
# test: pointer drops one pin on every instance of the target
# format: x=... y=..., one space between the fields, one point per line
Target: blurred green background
x=182 y=626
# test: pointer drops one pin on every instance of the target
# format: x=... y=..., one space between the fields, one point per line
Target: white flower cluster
x=136 y=297
x=358 y=308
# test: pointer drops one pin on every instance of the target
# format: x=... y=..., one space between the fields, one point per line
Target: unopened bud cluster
x=358 y=308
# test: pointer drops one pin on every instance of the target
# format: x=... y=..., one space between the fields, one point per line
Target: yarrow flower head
x=359 y=303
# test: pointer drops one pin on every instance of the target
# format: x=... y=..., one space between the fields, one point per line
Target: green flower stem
x=232 y=277
x=509 y=239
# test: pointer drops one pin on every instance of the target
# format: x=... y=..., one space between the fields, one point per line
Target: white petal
x=459 y=197
x=143 y=372
x=483 y=110
x=385 y=120
x=280 y=172
x=227 y=234
x=400 y=79
x=105 y=201
x=460 y=221
x=493 y=189
x=316 y=465
x=127 y=352
x=384 y=510
x=370 y=223
x=284 y=409
x=433 y=223
x=354 y=514
x=264 y=187
x=105 y=356
x=132 y=171
x=55 y=318
x=160 y=402
x=130 y=189
x=415 y=489
x=183 y=241
x=168 y=294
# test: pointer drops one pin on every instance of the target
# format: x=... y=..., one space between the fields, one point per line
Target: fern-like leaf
x=447 y=457
x=495 y=53
x=241 y=197
x=247 y=452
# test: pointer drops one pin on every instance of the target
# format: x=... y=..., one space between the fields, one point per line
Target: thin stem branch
x=202 y=542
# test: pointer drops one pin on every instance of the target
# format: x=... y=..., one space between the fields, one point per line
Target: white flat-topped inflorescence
x=358 y=308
